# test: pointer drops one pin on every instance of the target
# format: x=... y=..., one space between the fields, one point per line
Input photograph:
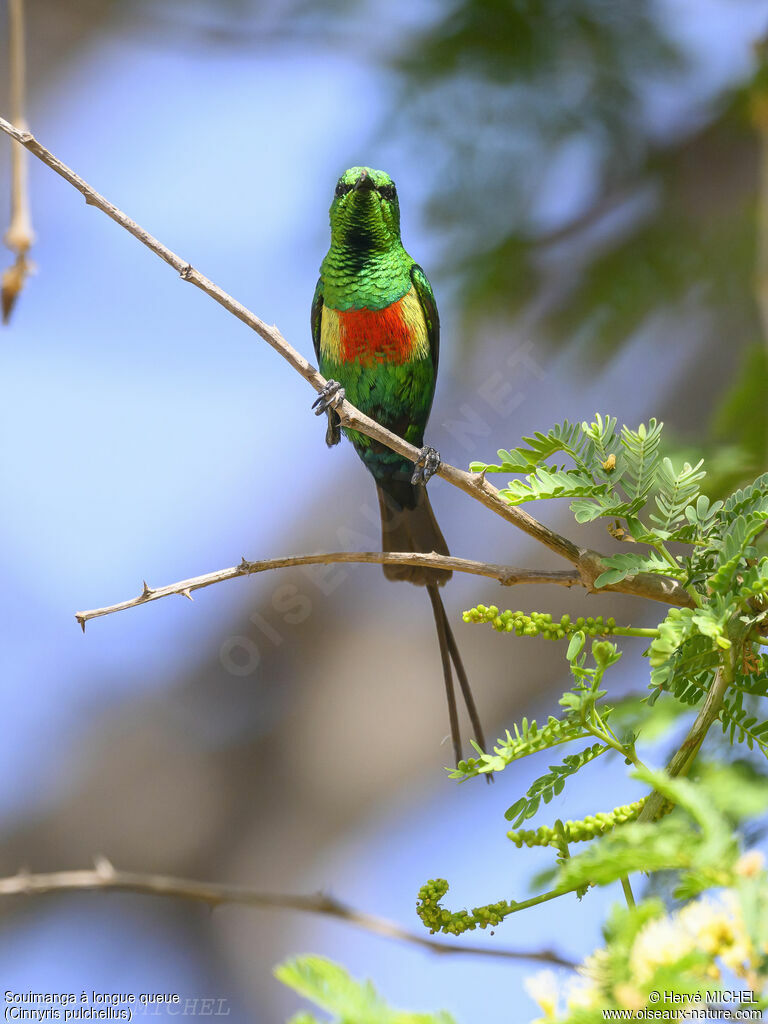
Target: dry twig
x=104 y=877
x=19 y=236
x=506 y=575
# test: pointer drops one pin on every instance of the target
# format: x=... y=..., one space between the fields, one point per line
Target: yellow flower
x=710 y=925
x=750 y=864
x=542 y=988
x=717 y=928
x=661 y=941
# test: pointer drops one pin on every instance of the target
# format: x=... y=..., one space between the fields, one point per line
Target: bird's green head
x=365 y=213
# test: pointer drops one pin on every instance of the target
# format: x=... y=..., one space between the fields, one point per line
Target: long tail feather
x=446 y=635
x=442 y=637
x=466 y=690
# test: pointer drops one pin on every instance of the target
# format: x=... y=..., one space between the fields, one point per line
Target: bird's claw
x=329 y=397
x=426 y=465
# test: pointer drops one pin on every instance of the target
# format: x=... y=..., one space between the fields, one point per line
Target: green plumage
x=367 y=268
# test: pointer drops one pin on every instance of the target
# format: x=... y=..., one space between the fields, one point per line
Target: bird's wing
x=317 y=316
x=429 y=308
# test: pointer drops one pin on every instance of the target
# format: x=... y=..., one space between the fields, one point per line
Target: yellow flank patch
x=415 y=321
x=397 y=333
x=330 y=334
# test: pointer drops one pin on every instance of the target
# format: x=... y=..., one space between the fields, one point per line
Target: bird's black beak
x=363 y=183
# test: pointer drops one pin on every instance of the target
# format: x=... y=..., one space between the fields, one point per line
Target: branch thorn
x=103 y=866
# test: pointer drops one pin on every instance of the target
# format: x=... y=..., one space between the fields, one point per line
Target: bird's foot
x=426 y=465
x=329 y=397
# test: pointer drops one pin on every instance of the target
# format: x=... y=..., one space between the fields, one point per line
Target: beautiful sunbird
x=376 y=334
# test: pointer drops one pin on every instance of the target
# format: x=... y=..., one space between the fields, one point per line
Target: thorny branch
x=506 y=575
x=588 y=562
x=105 y=877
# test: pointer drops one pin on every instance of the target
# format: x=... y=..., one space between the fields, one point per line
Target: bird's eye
x=342 y=189
x=387 y=192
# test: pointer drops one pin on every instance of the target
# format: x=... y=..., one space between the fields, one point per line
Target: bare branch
x=474 y=484
x=105 y=877
x=19 y=236
x=506 y=575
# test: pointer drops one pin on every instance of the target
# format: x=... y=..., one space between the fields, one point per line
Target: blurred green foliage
x=347 y=1001
x=508 y=91
x=556 y=178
